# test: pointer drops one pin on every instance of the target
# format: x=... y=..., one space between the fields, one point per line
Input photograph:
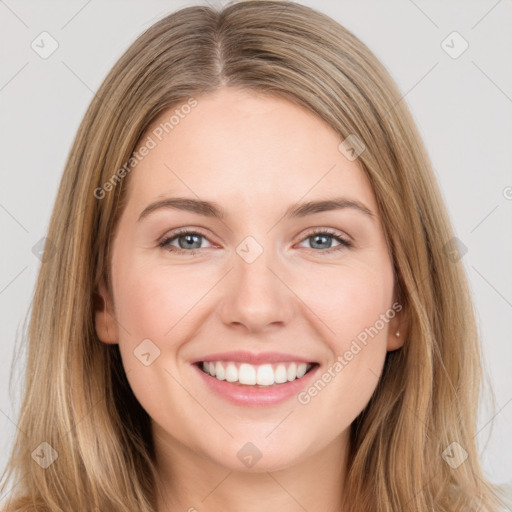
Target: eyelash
x=164 y=244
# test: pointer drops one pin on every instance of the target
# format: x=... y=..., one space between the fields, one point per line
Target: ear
x=105 y=322
x=397 y=324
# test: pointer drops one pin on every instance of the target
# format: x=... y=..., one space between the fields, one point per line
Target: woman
x=258 y=368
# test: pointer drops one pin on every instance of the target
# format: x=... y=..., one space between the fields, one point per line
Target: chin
x=259 y=456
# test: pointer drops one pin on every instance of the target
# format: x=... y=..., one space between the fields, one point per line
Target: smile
x=255 y=375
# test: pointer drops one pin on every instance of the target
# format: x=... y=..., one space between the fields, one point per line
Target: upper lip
x=253 y=358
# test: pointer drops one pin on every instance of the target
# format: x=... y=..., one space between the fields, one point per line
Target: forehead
x=244 y=149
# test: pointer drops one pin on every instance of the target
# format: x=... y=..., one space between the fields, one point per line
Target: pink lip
x=255 y=396
x=252 y=358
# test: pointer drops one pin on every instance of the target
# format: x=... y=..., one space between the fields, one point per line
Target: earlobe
x=397 y=331
x=398 y=323
x=395 y=339
x=105 y=324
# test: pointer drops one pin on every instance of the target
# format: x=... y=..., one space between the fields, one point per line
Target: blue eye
x=192 y=241
x=188 y=236
x=322 y=236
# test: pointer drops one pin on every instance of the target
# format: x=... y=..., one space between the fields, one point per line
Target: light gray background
x=462 y=106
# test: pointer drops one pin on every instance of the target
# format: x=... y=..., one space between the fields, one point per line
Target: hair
x=76 y=394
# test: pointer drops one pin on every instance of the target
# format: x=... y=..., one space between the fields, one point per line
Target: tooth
x=231 y=373
x=220 y=373
x=250 y=375
x=301 y=370
x=292 y=372
x=246 y=374
x=265 y=375
x=280 y=374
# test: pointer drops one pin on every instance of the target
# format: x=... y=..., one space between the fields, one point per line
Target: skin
x=254 y=156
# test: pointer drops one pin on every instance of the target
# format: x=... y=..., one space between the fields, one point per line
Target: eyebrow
x=212 y=209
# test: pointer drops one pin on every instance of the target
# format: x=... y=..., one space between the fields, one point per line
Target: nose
x=256 y=295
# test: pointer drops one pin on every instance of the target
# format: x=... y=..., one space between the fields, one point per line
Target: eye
x=188 y=241
x=321 y=240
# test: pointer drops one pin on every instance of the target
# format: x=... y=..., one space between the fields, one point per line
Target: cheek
x=348 y=300
x=159 y=309
x=152 y=302
x=151 y=312
x=353 y=305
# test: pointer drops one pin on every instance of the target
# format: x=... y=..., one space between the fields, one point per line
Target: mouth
x=256 y=376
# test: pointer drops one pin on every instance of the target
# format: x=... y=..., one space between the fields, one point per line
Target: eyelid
x=173 y=233
x=330 y=231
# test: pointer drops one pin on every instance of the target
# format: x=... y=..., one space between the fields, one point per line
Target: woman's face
x=252 y=289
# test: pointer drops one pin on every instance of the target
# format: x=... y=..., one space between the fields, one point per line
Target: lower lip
x=253 y=395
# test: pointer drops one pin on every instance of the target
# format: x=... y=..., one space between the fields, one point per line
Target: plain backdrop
x=462 y=105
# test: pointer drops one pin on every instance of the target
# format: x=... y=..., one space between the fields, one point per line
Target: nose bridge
x=256 y=297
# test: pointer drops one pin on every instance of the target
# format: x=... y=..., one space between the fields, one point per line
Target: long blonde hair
x=76 y=394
